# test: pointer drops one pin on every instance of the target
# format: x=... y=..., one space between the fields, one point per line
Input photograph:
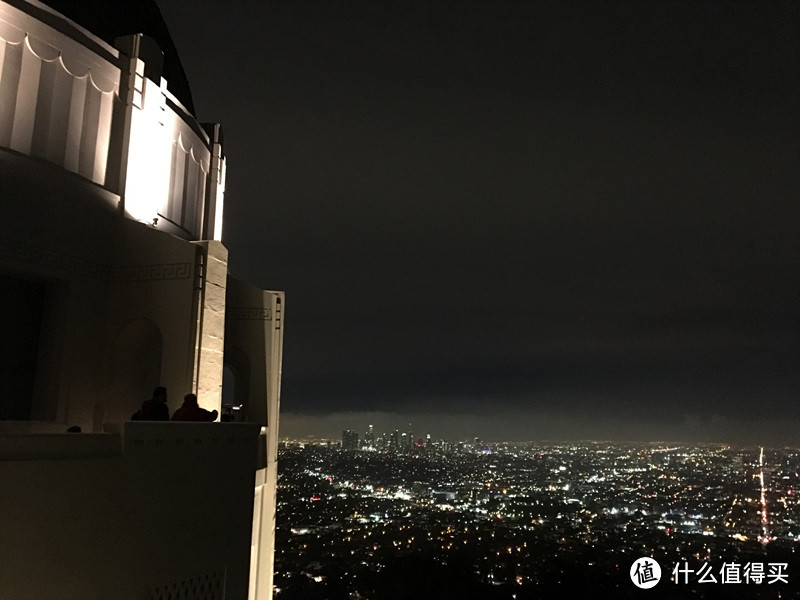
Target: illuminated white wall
x=63 y=102
x=168 y=164
x=56 y=96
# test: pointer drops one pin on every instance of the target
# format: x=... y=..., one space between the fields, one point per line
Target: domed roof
x=110 y=19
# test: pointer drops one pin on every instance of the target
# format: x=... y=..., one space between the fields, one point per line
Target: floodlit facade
x=113 y=280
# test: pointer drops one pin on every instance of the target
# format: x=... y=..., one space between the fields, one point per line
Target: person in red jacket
x=190 y=411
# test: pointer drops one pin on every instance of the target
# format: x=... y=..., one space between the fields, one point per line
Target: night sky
x=516 y=220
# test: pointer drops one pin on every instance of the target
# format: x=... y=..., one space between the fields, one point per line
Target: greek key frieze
x=156 y=272
x=243 y=313
x=48 y=258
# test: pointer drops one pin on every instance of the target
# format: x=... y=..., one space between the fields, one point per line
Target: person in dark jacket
x=154 y=409
x=190 y=411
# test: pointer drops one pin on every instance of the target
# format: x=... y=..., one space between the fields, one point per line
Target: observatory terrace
x=114 y=282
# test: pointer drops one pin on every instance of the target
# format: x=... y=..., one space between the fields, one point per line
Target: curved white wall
x=100 y=117
x=56 y=97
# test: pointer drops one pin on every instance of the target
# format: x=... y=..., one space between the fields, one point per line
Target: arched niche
x=236 y=380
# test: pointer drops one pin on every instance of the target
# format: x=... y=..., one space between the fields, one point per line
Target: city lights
x=526 y=515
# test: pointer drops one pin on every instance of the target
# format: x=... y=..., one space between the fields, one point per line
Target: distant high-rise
x=349 y=440
x=369 y=438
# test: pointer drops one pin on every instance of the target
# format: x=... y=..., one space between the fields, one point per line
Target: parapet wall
x=128 y=515
x=98 y=111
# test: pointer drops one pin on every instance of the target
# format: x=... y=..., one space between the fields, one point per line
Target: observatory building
x=113 y=281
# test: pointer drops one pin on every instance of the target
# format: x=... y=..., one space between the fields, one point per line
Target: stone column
x=210 y=339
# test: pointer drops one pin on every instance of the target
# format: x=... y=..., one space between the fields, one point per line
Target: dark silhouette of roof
x=110 y=19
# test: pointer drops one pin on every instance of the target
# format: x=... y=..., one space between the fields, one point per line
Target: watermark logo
x=645 y=573
x=731 y=572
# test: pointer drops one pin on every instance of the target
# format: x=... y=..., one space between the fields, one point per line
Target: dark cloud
x=558 y=206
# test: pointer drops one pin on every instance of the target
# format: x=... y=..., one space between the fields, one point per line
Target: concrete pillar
x=210 y=342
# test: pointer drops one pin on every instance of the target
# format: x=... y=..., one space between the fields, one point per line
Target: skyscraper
x=369 y=437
